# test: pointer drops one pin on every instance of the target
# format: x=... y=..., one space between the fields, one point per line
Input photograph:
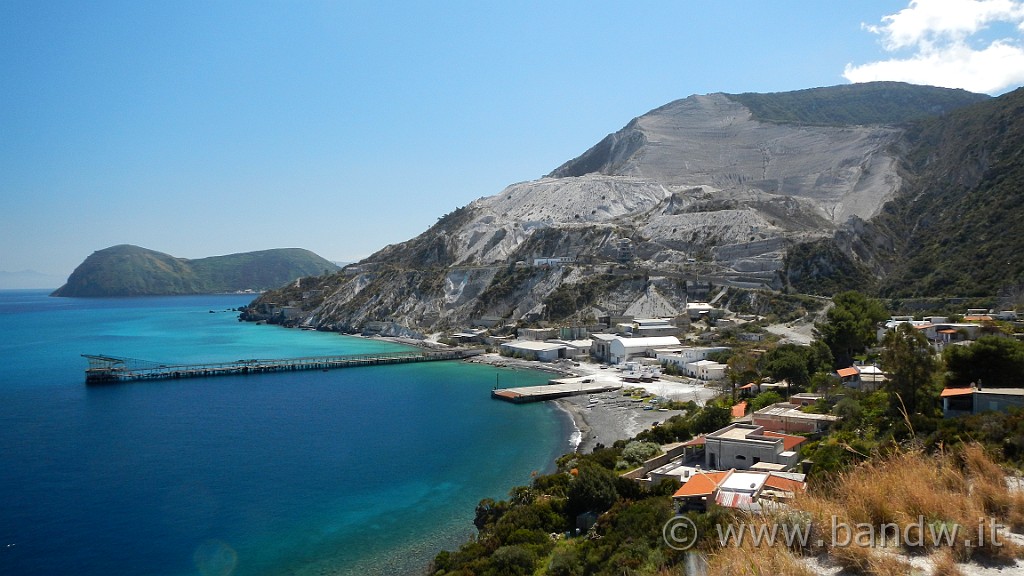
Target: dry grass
x=750 y=561
x=944 y=564
x=897 y=505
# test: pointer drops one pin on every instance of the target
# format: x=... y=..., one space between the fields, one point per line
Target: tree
x=593 y=489
x=908 y=360
x=991 y=361
x=850 y=326
x=711 y=418
x=789 y=362
x=765 y=399
x=741 y=367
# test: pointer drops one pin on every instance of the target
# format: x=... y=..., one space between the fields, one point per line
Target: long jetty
x=113 y=369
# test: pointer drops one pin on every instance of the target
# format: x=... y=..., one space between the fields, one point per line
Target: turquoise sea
x=354 y=471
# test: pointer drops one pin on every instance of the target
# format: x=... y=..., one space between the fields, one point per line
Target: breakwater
x=112 y=369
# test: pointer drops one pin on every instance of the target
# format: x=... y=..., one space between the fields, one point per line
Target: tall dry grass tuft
x=988 y=481
x=905 y=503
x=747 y=560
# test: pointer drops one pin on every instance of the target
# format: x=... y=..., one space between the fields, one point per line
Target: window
x=741 y=457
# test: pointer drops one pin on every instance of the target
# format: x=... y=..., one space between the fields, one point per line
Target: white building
x=543 y=351
x=683 y=356
x=622 y=349
x=705 y=370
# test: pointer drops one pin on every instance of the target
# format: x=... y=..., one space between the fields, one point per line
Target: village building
x=685 y=355
x=971 y=400
x=745 y=490
x=868 y=378
x=624 y=349
x=741 y=446
x=788 y=418
x=705 y=370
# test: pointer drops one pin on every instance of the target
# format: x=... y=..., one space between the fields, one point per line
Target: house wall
x=703 y=370
x=985 y=401
x=725 y=453
x=601 y=350
x=783 y=424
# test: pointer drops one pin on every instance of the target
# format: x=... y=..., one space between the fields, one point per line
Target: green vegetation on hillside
x=956 y=218
x=866 y=103
x=126 y=270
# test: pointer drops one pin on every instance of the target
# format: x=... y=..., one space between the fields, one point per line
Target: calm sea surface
x=355 y=471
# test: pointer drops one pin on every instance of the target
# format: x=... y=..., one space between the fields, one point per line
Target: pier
x=113 y=369
x=560 y=388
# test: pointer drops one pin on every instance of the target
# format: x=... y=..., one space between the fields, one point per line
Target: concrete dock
x=112 y=369
x=559 y=388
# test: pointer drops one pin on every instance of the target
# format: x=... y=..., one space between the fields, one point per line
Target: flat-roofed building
x=741 y=446
x=543 y=351
x=786 y=417
x=705 y=370
x=687 y=354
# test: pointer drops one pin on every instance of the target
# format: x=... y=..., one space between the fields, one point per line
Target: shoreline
x=606 y=417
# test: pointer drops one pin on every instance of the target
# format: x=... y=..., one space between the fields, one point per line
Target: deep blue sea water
x=354 y=471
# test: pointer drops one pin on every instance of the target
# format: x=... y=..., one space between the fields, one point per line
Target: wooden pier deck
x=113 y=369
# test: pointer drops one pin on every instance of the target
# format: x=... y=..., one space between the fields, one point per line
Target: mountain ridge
x=702 y=189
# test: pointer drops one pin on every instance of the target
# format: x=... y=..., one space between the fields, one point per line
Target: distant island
x=127 y=270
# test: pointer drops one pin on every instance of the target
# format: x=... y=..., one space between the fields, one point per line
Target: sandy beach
x=611 y=416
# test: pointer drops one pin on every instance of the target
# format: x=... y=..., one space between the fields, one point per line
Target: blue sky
x=207 y=128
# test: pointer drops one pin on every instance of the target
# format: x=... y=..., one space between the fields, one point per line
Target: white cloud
x=945 y=46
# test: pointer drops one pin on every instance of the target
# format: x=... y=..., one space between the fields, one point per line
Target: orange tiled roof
x=844 y=372
x=784 y=484
x=703 y=484
x=947 y=392
x=788 y=440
